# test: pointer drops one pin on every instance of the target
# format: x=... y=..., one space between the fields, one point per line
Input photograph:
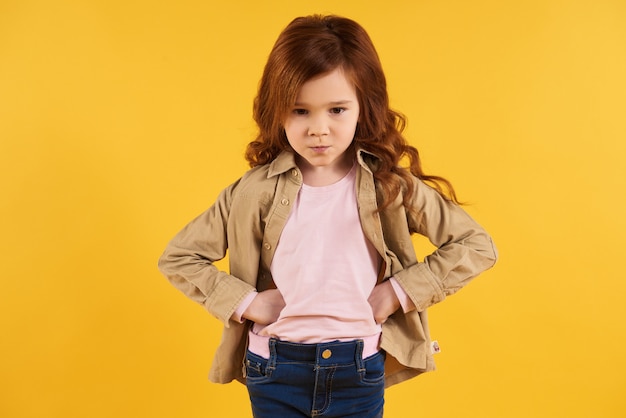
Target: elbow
x=490 y=252
x=484 y=248
x=167 y=263
x=162 y=263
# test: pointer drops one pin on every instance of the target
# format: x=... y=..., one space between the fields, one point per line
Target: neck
x=319 y=176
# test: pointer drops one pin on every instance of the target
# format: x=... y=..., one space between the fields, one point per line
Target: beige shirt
x=247 y=220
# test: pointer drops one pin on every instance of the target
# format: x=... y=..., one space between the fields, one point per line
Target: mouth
x=320 y=148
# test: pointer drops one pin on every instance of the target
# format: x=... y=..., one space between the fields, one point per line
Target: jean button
x=326 y=354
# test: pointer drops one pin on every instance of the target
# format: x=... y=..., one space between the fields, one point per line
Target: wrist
x=240 y=313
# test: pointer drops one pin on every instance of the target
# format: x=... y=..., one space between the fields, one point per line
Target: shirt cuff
x=238 y=314
x=405 y=301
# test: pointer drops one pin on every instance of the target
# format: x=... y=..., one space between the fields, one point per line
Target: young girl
x=325 y=302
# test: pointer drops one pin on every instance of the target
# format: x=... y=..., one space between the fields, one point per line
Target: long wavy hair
x=314 y=45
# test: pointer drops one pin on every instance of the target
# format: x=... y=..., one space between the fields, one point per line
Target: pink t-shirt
x=325 y=269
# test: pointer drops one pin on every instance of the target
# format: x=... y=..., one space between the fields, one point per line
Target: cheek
x=291 y=132
x=290 y=127
x=350 y=129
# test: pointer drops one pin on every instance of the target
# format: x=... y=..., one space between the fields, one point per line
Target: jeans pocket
x=256 y=368
x=373 y=372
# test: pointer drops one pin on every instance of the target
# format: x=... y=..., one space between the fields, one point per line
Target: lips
x=320 y=148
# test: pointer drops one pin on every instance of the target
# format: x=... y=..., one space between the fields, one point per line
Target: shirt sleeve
x=405 y=301
x=187 y=262
x=464 y=249
x=238 y=315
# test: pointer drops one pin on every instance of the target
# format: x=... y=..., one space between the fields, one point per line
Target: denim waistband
x=336 y=352
x=259 y=345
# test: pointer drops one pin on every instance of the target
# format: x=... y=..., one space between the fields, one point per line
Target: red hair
x=314 y=45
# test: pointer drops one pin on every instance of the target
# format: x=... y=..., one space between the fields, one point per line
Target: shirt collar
x=286 y=161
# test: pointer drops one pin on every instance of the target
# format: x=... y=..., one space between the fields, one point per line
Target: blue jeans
x=316 y=380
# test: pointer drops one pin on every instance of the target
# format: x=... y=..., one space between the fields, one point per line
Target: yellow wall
x=121 y=120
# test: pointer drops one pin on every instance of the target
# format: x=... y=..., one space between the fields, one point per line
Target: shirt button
x=267 y=246
x=326 y=354
x=294 y=172
x=285 y=202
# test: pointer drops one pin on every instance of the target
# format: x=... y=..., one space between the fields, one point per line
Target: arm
x=262 y=308
x=188 y=261
x=384 y=301
x=464 y=249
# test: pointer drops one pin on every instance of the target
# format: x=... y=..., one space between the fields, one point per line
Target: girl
x=325 y=302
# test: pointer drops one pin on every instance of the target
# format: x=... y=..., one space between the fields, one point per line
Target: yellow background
x=122 y=120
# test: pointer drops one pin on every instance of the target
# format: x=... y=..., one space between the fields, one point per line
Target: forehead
x=332 y=86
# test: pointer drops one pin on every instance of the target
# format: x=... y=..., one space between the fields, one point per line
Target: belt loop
x=271 y=362
x=358 y=356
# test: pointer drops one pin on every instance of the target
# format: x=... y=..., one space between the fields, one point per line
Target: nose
x=318 y=127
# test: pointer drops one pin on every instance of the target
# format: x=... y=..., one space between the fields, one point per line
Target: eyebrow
x=335 y=103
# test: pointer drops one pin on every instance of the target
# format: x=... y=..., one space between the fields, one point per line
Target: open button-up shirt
x=247 y=220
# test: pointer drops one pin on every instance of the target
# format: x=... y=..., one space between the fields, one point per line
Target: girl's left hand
x=383 y=301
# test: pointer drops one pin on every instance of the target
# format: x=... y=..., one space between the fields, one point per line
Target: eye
x=300 y=112
x=337 y=110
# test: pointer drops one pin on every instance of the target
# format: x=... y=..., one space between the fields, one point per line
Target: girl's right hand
x=383 y=301
x=265 y=307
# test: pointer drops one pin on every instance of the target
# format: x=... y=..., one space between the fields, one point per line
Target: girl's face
x=321 y=125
